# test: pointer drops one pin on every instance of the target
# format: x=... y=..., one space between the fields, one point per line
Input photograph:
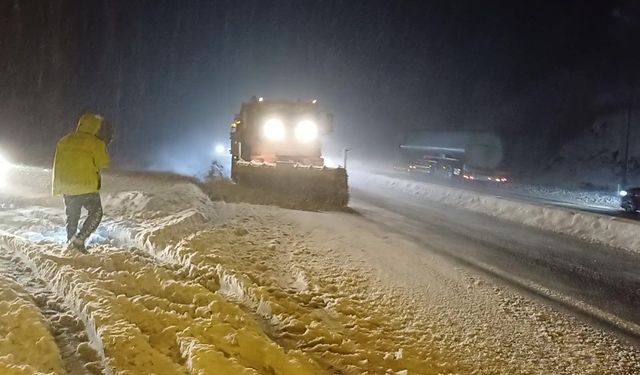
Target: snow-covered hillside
x=177 y=284
x=594 y=158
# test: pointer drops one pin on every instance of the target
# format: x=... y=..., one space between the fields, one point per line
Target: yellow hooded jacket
x=79 y=158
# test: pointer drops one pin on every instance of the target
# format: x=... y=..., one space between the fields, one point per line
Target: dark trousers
x=73 y=207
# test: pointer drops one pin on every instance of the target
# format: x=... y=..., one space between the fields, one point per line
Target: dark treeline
x=168 y=71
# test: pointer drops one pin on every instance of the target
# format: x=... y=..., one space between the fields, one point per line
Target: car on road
x=630 y=199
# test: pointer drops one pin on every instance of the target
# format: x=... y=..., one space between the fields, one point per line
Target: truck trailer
x=468 y=155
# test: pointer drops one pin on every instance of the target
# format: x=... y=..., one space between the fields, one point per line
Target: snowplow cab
x=276 y=146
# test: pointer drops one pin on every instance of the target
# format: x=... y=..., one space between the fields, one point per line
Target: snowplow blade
x=304 y=187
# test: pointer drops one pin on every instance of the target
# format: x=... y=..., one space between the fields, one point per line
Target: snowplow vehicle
x=276 y=149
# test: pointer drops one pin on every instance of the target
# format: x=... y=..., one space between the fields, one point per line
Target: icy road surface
x=597 y=280
x=176 y=284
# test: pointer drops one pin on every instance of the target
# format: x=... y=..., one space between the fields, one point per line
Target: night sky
x=171 y=74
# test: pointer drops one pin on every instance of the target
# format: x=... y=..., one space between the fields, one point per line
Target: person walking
x=77 y=163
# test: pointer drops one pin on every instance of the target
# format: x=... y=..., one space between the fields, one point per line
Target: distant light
x=623 y=193
x=4 y=163
x=314 y=101
x=261 y=99
x=4 y=169
x=220 y=149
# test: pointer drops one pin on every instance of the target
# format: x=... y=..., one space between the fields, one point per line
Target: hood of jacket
x=89 y=123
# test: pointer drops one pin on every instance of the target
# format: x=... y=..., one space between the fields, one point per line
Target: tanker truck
x=276 y=147
x=456 y=154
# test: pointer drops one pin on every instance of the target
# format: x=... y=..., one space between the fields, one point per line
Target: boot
x=77 y=243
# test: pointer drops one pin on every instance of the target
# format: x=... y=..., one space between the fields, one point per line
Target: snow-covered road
x=597 y=282
x=606 y=230
x=177 y=284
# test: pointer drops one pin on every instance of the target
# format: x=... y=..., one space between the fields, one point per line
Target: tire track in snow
x=67 y=329
x=125 y=298
x=329 y=319
x=26 y=343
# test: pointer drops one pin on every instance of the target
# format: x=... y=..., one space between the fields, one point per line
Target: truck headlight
x=273 y=130
x=306 y=131
x=623 y=193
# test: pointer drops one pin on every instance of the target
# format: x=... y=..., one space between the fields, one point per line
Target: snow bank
x=145 y=318
x=200 y=294
x=582 y=197
x=611 y=231
x=155 y=202
x=26 y=344
x=144 y=315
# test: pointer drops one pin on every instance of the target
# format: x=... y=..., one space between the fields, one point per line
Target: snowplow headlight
x=306 y=131
x=623 y=193
x=273 y=130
